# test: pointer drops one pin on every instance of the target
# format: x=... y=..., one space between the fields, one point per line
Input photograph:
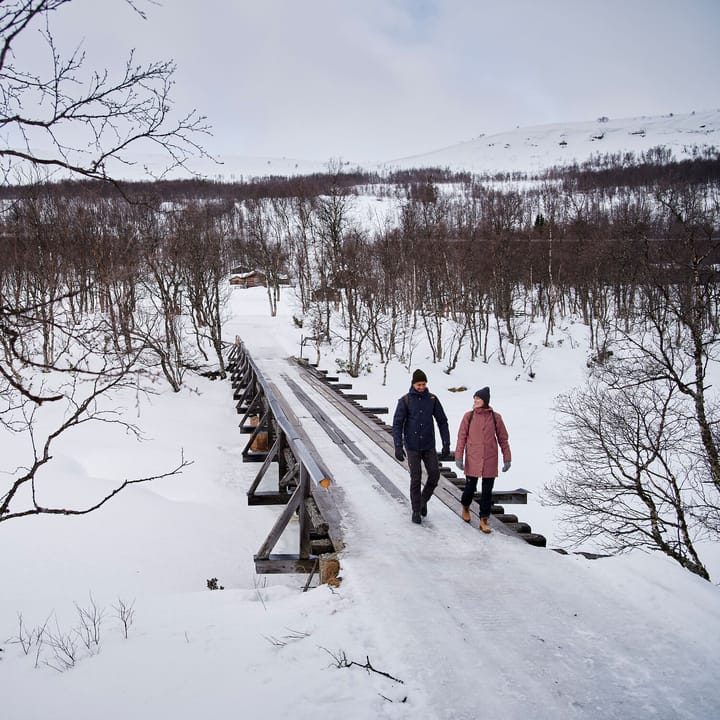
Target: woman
x=481 y=431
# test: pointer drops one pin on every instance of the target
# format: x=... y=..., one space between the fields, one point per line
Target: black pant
x=485 y=494
x=430 y=459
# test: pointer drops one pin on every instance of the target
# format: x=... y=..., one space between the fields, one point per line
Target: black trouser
x=485 y=494
x=430 y=458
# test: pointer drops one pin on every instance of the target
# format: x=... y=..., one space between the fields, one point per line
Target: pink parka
x=476 y=441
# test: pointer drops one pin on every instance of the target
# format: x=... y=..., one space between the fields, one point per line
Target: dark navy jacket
x=413 y=422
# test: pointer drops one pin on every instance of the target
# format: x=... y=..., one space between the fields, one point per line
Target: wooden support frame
x=253 y=408
x=289 y=510
x=270 y=455
x=299 y=476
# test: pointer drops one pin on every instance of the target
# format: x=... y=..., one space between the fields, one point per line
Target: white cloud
x=378 y=79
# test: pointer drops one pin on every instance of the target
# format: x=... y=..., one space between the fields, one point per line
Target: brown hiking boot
x=466 y=514
x=484 y=526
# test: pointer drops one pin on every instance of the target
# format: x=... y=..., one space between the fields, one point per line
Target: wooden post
x=305 y=524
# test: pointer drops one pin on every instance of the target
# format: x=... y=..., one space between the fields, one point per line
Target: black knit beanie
x=484 y=394
x=419 y=376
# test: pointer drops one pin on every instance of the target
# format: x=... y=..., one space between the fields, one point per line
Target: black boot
x=416 y=517
x=423 y=508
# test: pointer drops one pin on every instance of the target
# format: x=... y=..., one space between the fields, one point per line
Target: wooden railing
x=303 y=486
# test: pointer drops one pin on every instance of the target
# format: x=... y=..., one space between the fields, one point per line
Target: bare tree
x=69 y=117
x=59 y=114
x=630 y=476
x=268 y=229
x=21 y=492
x=640 y=442
x=206 y=235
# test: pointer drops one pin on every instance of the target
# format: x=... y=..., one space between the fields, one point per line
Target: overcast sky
x=382 y=79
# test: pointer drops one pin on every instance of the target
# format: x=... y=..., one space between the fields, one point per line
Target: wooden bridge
x=304 y=486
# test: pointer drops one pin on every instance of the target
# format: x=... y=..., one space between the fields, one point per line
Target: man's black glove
x=445 y=455
x=399 y=454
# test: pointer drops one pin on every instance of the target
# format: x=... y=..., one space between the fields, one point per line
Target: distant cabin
x=253 y=278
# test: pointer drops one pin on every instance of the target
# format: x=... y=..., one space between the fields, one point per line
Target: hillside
x=523 y=149
x=534 y=149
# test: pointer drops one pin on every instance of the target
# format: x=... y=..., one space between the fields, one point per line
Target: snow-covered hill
x=532 y=149
x=524 y=149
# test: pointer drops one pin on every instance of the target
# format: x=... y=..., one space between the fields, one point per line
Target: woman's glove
x=460 y=464
x=506 y=466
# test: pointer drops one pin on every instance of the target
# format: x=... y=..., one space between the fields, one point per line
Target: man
x=481 y=431
x=413 y=427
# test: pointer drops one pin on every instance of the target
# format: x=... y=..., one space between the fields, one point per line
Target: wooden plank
x=269 y=498
x=355 y=396
x=303 y=517
x=316 y=519
x=276 y=564
x=321 y=546
x=512 y=497
x=254 y=456
x=519 y=527
x=325 y=499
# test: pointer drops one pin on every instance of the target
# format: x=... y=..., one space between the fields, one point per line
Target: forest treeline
x=100 y=287
x=607 y=170
x=462 y=260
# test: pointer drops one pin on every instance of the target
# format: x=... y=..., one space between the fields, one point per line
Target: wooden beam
x=316 y=519
x=281 y=523
x=321 y=546
x=276 y=564
x=252 y=456
x=267 y=460
x=512 y=497
x=261 y=427
x=291 y=475
x=304 y=520
x=269 y=498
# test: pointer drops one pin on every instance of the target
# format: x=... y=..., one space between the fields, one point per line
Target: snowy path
x=521 y=646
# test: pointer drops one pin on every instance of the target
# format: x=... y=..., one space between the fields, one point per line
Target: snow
x=472 y=625
x=527 y=149
x=534 y=149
